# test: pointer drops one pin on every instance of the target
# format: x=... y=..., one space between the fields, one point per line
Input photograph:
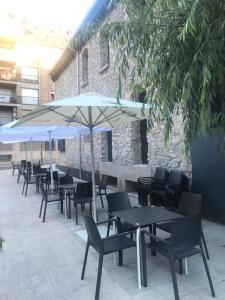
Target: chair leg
x=69 y=208
x=90 y=209
x=61 y=204
x=207 y=272
x=23 y=187
x=100 y=262
x=76 y=213
x=174 y=278
x=181 y=267
x=100 y=194
x=108 y=228
x=44 y=212
x=204 y=244
x=120 y=255
x=41 y=207
x=26 y=189
x=85 y=261
x=153 y=253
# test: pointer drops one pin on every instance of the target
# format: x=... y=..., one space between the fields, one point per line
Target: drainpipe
x=78 y=92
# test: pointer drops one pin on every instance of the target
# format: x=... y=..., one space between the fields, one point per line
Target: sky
x=67 y=13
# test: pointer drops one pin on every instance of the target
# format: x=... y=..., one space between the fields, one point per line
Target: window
x=143 y=132
x=85 y=67
x=61 y=145
x=109 y=143
x=47 y=146
x=5 y=95
x=29 y=73
x=29 y=96
x=104 y=52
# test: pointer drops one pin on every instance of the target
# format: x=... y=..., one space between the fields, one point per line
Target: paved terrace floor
x=43 y=261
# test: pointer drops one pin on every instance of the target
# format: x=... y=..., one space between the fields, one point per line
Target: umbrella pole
x=31 y=154
x=50 y=155
x=93 y=175
x=25 y=148
x=80 y=171
x=92 y=164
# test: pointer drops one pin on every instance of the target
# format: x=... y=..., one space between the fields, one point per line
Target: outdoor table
x=70 y=186
x=142 y=217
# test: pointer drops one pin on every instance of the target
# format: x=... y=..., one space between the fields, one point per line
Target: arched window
x=85 y=67
x=104 y=52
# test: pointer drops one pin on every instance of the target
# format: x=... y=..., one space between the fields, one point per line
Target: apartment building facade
x=27 y=53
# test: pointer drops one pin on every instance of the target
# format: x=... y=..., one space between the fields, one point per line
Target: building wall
x=125 y=140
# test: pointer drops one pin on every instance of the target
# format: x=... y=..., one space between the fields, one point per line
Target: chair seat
x=81 y=200
x=53 y=198
x=117 y=243
x=162 y=248
x=165 y=226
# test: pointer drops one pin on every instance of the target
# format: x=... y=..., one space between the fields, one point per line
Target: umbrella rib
x=79 y=109
x=71 y=119
x=32 y=117
x=101 y=114
x=116 y=114
x=74 y=116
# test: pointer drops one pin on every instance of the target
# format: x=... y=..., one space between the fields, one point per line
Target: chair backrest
x=36 y=169
x=161 y=173
x=43 y=170
x=175 y=177
x=23 y=163
x=55 y=175
x=190 y=204
x=66 y=180
x=186 y=232
x=84 y=190
x=28 y=164
x=94 y=237
x=118 y=201
x=104 y=180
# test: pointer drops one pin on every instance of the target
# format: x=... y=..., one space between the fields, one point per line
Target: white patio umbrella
x=89 y=110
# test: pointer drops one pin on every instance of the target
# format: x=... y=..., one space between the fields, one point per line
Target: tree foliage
x=175 y=51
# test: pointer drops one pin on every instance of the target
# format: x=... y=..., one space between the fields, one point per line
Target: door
x=208 y=175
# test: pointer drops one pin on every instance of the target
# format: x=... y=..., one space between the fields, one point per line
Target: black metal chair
x=104 y=246
x=190 y=204
x=101 y=188
x=28 y=180
x=177 y=183
x=185 y=241
x=82 y=195
x=49 y=197
x=146 y=184
x=118 y=201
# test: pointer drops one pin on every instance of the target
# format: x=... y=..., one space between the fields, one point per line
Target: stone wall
x=171 y=155
x=125 y=140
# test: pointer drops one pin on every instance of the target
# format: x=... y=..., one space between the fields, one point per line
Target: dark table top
x=144 y=216
x=68 y=186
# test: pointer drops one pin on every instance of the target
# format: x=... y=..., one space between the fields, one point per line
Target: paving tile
x=44 y=261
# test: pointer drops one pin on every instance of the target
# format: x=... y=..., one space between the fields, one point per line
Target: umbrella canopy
x=89 y=110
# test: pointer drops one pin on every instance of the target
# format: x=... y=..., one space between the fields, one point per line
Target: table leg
x=138 y=256
x=66 y=208
x=186 y=266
